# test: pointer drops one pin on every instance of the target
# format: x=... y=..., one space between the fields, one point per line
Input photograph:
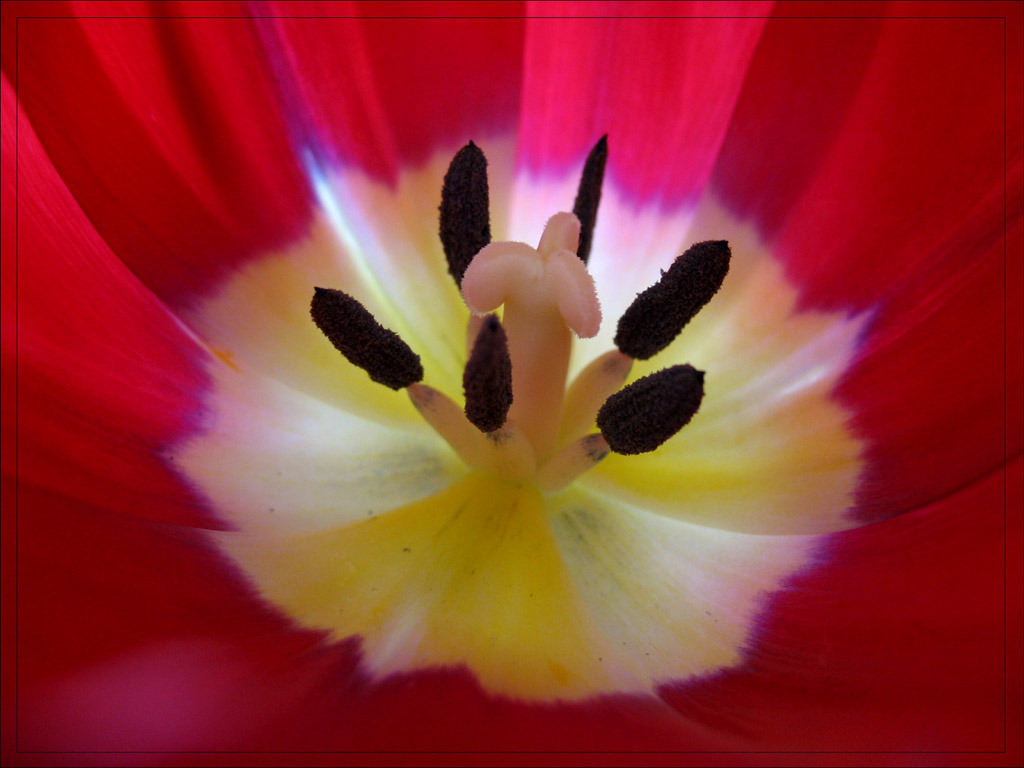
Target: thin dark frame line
x=1006 y=446
x=539 y=18
x=17 y=375
x=509 y=752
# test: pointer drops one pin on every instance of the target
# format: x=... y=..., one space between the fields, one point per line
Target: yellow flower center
x=350 y=517
x=515 y=376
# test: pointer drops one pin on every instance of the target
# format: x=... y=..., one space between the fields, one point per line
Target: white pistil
x=601 y=379
x=547 y=293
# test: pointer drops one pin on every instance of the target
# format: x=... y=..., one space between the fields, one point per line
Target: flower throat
x=519 y=421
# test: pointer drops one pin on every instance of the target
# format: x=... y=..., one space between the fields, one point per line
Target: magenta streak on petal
x=350 y=128
x=663 y=90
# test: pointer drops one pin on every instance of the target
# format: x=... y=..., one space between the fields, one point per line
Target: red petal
x=384 y=91
x=895 y=644
x=841 y=664
x=404 y=714
x=115 y=615
x=662 y=89
x=94 y=584
x=921 y=145
x=856 y=143
x=110 y=608
x=871 y=153
x=797 y=95
x=136 y=636
x=106 y=377
x=168 y=133
x=933 y=389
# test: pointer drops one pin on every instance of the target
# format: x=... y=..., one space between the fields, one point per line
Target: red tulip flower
x=787 y=522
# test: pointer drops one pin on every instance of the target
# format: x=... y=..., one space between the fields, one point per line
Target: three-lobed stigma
x=519 y=420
